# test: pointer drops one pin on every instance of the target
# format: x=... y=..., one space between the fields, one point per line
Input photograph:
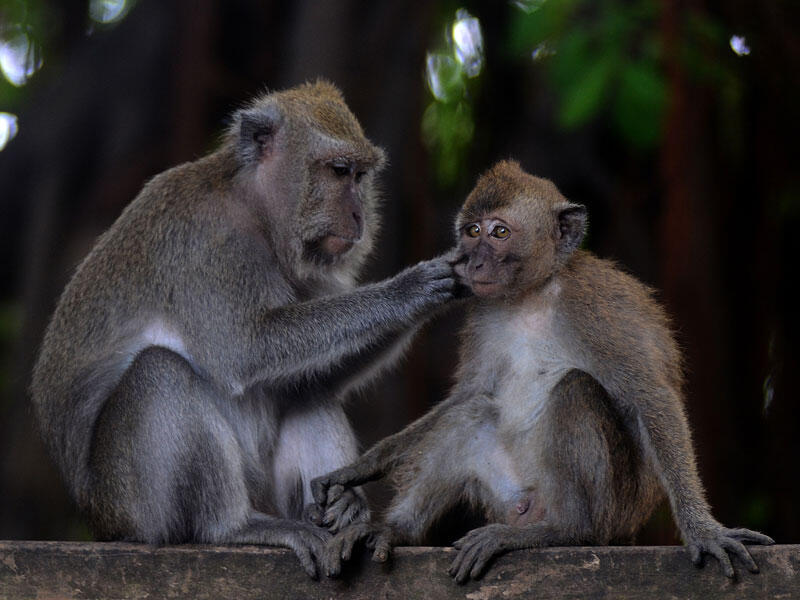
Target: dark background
x=683 y=151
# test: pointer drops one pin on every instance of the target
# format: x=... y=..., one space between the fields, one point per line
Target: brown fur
x=566 y=423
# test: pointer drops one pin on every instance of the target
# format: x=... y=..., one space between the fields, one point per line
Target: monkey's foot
x=340 y=548
x=719 y=541
x=308 y=542
x=478 y=547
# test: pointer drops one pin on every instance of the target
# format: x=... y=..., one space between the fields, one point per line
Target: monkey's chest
x=533 y=365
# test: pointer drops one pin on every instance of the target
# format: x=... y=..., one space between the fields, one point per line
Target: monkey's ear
x=571 y=226
x=257 y=129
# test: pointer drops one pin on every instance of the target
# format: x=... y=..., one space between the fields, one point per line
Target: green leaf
x=639 y=104
x=584 y=96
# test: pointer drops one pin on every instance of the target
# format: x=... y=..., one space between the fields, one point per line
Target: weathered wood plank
x=57 y=570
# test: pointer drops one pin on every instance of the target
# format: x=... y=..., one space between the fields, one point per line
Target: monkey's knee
x=163 y=463
x=600 y=455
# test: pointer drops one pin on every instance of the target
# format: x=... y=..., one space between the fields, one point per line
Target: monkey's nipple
x=523 y=506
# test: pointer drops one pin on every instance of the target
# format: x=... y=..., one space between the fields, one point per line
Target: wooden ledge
x=111 y=570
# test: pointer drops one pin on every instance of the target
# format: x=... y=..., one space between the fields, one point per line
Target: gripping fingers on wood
x=340 y=547
x=381 y=541
x=309 y=546
x=720 y=541
x=739 y=550
x=747 y=536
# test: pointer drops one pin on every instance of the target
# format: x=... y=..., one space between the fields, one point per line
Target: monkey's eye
x=341 y=169
x=501 y=232
x=473 y=230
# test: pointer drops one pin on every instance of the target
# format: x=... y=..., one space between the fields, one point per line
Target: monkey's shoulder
x=599 y=290
x=614 y=319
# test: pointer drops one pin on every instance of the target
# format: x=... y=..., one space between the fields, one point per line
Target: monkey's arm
x=316 y=338
x=666 y=434
x=381 y=459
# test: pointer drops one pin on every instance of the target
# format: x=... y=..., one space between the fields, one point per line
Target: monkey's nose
x=359 y=224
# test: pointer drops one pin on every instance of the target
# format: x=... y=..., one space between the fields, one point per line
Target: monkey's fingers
x=382 y=546
x=462 y=564
x=309 y=547
x=319 y=489
x=455 y=256
x=724 y=560
x=466 y=561
x=350 y=508
x=313 y=513
x=333 y=557
x=747 y=536
x=696 y=555
x=340 y=547
x=708 y=546
x=335 y=492
x=306 y=561
x=739 y=550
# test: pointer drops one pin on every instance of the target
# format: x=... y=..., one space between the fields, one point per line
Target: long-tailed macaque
x=190 y=383
x=566 y=422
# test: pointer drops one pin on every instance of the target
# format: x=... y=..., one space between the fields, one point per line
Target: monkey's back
x=126 y=295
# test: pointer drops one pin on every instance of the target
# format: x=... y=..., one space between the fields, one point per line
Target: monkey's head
x=514 y=232
x=310 y=172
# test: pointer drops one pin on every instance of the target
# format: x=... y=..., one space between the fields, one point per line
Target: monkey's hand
x=309 y=544
x=379 y=538
x=427 y=284
x=479 y=546
x=342 y=507
x=327 y=488
x=717 y=540
x=458 y=260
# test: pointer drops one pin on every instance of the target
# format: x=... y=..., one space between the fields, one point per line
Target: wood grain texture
x=56 y=570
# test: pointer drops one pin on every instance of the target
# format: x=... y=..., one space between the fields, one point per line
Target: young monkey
x=566 y=423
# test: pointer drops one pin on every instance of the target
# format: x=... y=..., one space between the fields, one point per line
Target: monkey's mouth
x=328 y=248
x=334 y=245
x=484 y=287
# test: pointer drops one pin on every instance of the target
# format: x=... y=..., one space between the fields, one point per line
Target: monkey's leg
x=410 y=516
x=312 y=441
x=665 y=433
x=384 y=457
x=428 y=486
x=166 y=467
x=572 y=497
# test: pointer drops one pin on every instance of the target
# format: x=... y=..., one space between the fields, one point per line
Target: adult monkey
x=191 y=379
x=566 y=422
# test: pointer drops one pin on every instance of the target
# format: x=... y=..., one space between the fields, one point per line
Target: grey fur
x=190 y=383
x=566 y=423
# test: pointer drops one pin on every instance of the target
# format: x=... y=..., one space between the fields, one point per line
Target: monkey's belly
x=509 y=476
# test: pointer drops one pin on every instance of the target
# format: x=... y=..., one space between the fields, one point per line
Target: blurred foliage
x=603 y=60
x=31 y=31
x=20 y=18
x=600 y=57
x=448 y=124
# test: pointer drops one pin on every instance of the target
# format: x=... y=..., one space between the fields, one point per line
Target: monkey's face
x=490 y=263
x=340 y=207
x=515 y=231
x=314 y=172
